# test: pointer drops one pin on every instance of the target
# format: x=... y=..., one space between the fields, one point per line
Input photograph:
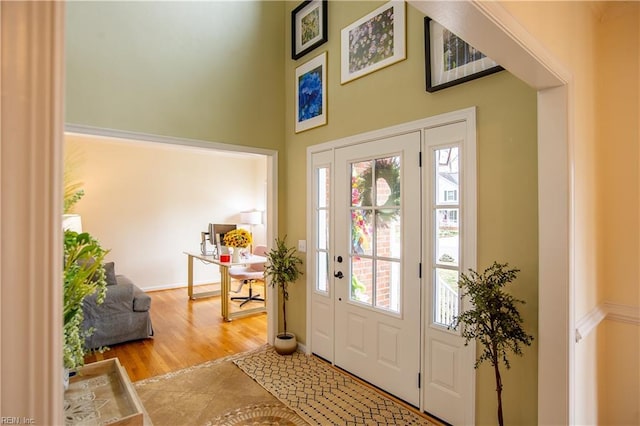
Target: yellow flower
x=237 y=238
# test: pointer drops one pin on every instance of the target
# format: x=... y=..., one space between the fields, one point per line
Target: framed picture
x=311 y=93
x=373 y=41
x=308 y=27
x=449 y=60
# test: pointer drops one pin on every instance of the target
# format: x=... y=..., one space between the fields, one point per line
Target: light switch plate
x=302 y=246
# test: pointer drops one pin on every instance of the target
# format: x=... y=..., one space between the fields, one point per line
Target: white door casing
x=323 y=323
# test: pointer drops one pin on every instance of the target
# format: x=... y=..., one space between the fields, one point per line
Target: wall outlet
x=302 y=246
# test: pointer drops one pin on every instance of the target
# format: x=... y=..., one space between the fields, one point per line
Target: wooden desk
x=225 y=282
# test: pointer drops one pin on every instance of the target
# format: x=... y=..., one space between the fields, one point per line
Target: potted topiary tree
x=282 y=269
x=493 y=319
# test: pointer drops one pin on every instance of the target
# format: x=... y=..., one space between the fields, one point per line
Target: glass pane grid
x=446 y=205
x=322 y=273
x=375 y=233
x=321 y=220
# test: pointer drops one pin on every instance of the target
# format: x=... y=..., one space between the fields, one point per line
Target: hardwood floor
x=186 y=332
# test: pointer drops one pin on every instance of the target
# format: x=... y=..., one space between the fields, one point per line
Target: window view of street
x=447 y=232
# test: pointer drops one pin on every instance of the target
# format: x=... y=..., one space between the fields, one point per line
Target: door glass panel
x=448 y=238
x=361 y=232
x=388 y=285
x=376 y=237
x=446 y=234
x=388 y=233
x=323 y=187
x=323 y=229
x=323 y=268
x=446 y=297
x=387 y=172
x=321 y=221
x=447 y=176
x=361 y=186
x=362 y=280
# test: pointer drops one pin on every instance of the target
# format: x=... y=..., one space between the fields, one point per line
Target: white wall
x=148 y=202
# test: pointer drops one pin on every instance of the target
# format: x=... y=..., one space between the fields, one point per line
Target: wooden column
x=31 y=131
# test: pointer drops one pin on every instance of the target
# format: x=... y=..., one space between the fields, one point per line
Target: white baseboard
x=609 y=311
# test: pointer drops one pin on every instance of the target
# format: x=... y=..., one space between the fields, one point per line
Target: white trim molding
x=31 y=252
x=606 y=311
x=622 y=313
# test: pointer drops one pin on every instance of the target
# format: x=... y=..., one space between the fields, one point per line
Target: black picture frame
x=309 y=27
x=442 y=70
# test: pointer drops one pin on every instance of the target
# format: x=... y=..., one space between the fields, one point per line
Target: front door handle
x=338 y=274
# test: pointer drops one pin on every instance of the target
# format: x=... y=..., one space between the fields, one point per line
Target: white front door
x=376 y=263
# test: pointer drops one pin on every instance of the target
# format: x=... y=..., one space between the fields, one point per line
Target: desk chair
x=249 y=275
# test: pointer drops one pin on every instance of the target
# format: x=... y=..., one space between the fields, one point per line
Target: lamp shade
x=72 y=222
x=251 y=218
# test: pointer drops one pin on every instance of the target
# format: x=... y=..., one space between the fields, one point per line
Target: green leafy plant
x=493 y=320
x=83 y=275
x=282 y=269
x=72 y=189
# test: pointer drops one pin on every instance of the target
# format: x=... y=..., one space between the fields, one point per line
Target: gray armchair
x=123 y=316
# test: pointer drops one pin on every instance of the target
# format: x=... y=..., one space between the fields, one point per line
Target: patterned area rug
x=261 y=414
x=320 y=393
x=215 y=393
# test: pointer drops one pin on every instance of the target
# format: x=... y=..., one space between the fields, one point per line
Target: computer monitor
x=217 y=231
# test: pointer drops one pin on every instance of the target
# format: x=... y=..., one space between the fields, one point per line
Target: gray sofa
x=123 y=316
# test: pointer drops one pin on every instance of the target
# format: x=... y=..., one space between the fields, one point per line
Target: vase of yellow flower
x=238 y=239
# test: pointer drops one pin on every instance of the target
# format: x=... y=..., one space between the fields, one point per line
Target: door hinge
x=419 y=381
x=420 y=270
x=420 y=159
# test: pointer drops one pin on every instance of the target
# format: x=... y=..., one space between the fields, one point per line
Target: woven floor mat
x=320 y=393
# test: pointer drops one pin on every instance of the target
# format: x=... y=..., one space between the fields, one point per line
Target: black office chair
x=249 y=275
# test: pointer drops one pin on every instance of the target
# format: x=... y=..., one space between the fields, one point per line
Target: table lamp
x=251 y=218
x=72 y=222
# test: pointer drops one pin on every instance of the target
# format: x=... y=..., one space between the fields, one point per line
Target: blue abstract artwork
x=310 y=94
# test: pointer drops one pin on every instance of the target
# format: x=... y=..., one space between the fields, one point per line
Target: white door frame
x=272 y=187
x=467 y=114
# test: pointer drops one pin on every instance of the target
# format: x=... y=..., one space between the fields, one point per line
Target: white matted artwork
x=449 y=60
x=374 y=41
x=311 y=93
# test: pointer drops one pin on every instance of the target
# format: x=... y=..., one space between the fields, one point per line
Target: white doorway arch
x=487 y=26
x=271 y=186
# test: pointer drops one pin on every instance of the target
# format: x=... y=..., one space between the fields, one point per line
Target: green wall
x=222 y=71
x=203 y=70
x=507 y=173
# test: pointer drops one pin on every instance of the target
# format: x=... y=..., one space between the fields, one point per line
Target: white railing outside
x=447 y=304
